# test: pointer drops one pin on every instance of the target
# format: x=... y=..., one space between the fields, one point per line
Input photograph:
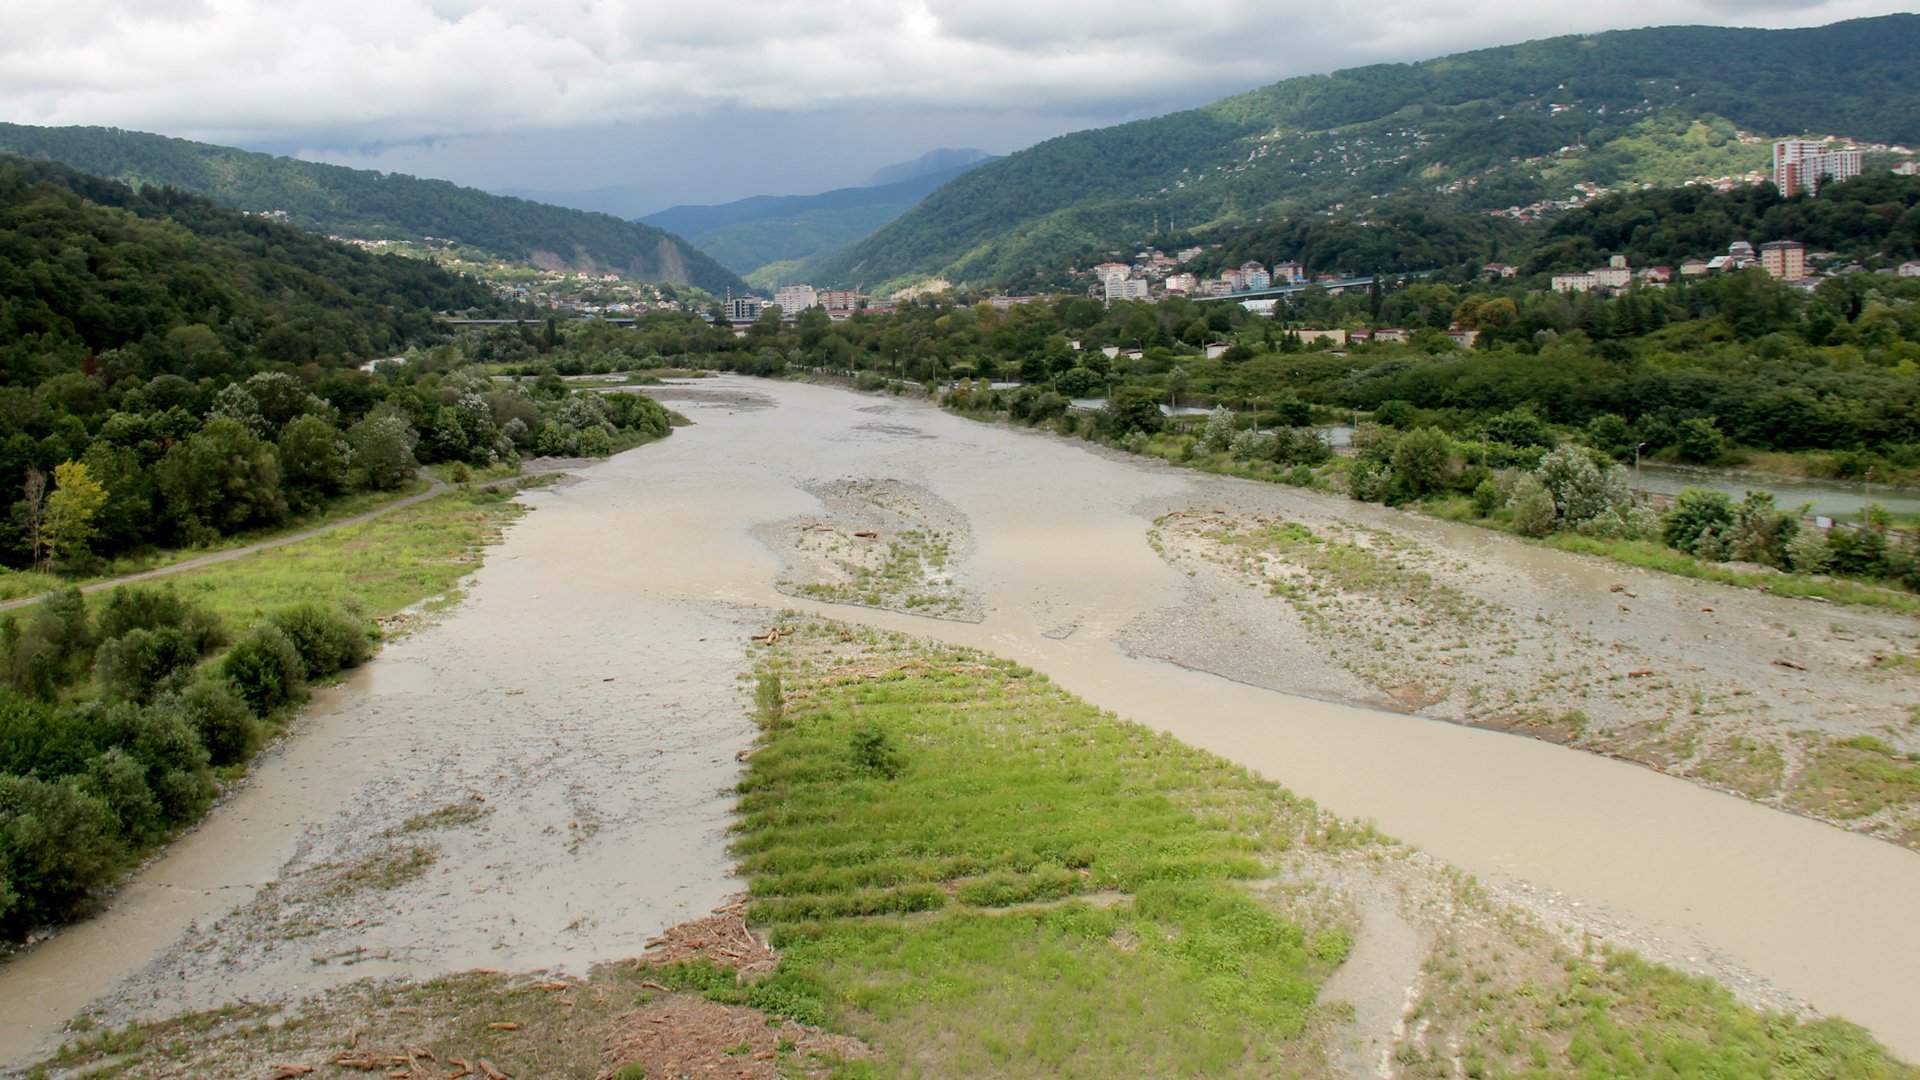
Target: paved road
x=434 y=487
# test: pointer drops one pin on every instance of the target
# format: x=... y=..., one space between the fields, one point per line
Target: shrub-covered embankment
x=122 y=716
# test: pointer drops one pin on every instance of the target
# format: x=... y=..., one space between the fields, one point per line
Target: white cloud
x=356 y=72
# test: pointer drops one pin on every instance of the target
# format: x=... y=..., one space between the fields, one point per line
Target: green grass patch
x=1898 y=662
x=15 y=584
x=1856 y=778
x=1749 y=766
x=1616 y=1015
x=895 y=898
x=385 y=565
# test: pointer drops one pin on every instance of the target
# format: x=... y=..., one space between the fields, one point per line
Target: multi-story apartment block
x=1786 y=260
x=1801 y=165
x=794 y=299
x=1126 y=289
x=1611 y=277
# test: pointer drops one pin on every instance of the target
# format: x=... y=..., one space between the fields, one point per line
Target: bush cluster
x=88 y=782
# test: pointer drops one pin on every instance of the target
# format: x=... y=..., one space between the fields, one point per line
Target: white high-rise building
x=1126 y=289
x=794 y=299
x=1801 y=165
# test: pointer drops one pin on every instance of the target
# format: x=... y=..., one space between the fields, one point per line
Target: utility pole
x=1636 y=469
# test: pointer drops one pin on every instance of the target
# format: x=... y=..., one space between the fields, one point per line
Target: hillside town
x=1800 y=167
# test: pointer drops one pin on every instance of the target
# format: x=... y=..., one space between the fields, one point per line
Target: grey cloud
x=412 y=79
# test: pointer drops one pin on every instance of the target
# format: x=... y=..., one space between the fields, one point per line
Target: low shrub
x=265 y=669
x=54 y=649
x=874 y=752
x=58 y=844
x=1695 y=512
x=1534 y=512
x=134 y=607
x=769 y=697
x=327 y=639
x=1809 y=553
x=162 y=740
x=220 y=715
x=135 y=665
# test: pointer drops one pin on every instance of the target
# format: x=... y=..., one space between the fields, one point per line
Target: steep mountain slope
x=159 y=280
x=1483 y=129
x=747 y=234
x=363 y=203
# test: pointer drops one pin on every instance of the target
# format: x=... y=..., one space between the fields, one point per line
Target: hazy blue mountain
x=786 y=231
x=368 y=204
x=946 y=160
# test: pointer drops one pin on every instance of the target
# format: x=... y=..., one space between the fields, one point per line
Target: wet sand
x=621 y=575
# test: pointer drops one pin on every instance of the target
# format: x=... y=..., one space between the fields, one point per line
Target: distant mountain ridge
x=947 y=160
x=368 y=204
x=1479 y=130
x=748 y=235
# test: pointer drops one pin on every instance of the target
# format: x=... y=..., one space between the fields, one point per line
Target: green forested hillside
x=749 y=234
x=159 y=280
x=1478 y=130
x=364 y=203
x=1874 y=219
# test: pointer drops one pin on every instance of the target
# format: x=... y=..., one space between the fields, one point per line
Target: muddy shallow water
x=621 y=576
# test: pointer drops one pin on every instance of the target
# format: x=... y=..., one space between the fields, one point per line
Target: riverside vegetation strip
x=972 y=873
x=127 y=749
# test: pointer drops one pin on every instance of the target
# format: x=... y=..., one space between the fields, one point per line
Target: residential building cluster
x=839 y=304
x=1783 y=260
x=1802 y=165
x=1137 y=280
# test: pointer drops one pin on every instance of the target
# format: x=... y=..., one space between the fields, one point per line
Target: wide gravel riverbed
x=543 y=773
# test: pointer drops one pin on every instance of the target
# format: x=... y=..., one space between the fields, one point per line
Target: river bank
x=959 y=870
x=621 y=575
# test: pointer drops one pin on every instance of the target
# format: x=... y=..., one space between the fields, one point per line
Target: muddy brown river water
x=588 y=691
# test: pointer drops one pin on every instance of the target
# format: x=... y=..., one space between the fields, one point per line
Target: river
x=619 y=608
x=1827 y=498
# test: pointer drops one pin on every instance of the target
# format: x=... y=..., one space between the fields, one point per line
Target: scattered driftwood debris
x=1789 y=665
x=406 y=1064
x=721 y=938
x=690 y=1036
x=772 y=637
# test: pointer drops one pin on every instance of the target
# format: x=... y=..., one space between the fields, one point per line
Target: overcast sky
x=706 y=102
